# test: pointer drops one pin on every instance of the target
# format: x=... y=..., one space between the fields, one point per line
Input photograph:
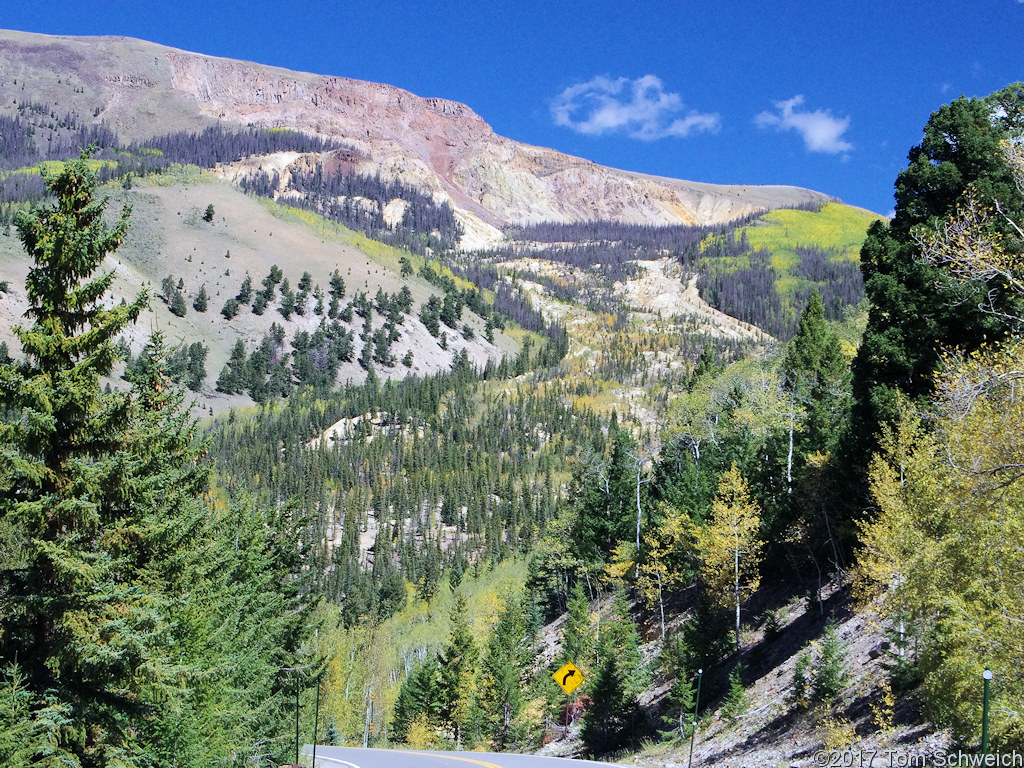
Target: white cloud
x=821 y=131
x=640 y=108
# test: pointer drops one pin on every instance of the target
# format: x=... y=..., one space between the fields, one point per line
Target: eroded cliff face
x=143 y=89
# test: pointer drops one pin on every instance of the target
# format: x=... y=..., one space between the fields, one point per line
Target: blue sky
x=826 y=95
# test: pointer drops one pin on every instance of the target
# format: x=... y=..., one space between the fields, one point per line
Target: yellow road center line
x=452 y=757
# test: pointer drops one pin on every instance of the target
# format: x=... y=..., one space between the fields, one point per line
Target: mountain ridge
x=144 y=89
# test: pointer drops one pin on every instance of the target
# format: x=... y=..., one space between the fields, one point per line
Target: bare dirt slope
x=660 y=290
x=772 y=729
x=141 y=89
x=168 y=236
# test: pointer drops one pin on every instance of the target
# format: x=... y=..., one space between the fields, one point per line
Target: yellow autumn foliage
x=666 y=550
x=944 y=560
x=729 y=546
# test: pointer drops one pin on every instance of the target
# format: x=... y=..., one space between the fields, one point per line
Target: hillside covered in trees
x=682 y=509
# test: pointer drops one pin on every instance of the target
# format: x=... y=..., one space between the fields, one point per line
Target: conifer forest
x=405 y=558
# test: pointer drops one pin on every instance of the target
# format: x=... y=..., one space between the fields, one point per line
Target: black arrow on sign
x=568 y=675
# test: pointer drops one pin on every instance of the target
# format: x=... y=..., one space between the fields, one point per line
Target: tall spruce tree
x=417 y=698
x=916 y=312
x=503 y=673
x=168 y=479
x=816 y=374
x=202 y=301
x=577 y=636
x=83 y=609
x=611 y=721
x=458 y=676
x=232 y=376
x=677 y=712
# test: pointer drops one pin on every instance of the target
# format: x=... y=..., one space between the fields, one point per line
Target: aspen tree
x=729 y=545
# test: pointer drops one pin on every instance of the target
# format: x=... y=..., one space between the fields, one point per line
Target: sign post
x=987 y=676
x=316 y=719
x=569 y=679
x=696 y=709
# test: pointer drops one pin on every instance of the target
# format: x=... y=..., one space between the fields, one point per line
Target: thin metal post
x=366 y=725
x=371 y=717
x=987 y=674
x=296 y=720
x=696 y=708
x=316 y=719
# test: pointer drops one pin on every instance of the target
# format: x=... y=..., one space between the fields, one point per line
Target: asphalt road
x=353 y=757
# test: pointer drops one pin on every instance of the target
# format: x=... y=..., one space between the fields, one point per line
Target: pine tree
x=167 y=288
x=736 y=700
x=611 y=721
x=418 y=696
x=337 y=289
x=287 y=300
x=451 y=310
x=678 y=712
x=577 y=636
x=458 y=683
x=829 y=677
x=915 y=310
x=707 y=365
x=799 y=692
x=621 y=637
x=84 y=611
x=230 y=309
x=257 y=616
x=430 y=315
x=816 y=374
x=270 y=282
x=201 y=301
x=331 y=736
x=503 y=674
x=259 y=303
x=404 y=300
x=178 y=306
x=244 y=294
x=196 y=369
x=232 y=376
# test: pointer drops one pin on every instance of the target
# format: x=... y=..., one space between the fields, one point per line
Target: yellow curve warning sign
x=568 y=677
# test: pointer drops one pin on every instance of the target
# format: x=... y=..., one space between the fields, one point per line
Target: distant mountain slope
x=141 y=89
x=168 y=237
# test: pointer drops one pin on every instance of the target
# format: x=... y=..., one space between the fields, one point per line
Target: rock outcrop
x=142 y=89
